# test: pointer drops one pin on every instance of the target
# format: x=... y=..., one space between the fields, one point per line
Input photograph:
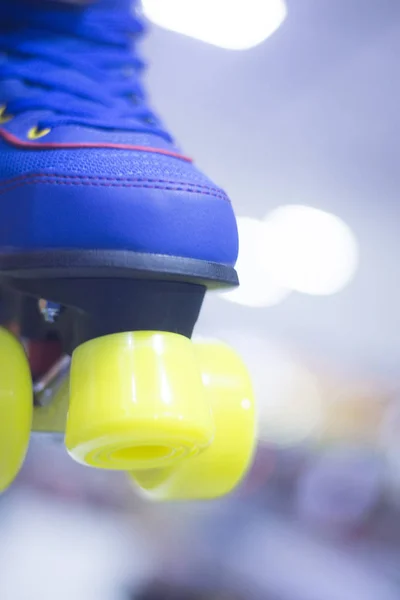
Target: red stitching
x=15 y=141
x=30 y=176
x=170 y=188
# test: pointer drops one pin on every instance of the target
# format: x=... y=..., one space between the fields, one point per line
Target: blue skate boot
x=109 y=239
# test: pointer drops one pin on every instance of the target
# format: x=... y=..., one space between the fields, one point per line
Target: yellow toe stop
x=16 y=405
x=220 y=467
x=137 y=402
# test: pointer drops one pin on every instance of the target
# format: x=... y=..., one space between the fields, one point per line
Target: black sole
x=55 y=264
x=105 y=292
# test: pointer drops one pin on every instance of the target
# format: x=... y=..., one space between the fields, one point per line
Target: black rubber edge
x=54 y=264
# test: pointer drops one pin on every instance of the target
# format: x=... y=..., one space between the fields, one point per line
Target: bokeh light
x=291 y=405
x=230 y=24
x=309 y=250
x=290 y=400
x=258 y=288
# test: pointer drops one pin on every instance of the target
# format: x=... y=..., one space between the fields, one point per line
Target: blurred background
x=292 y=107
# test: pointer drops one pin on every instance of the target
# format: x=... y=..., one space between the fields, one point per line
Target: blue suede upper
x=74 y=71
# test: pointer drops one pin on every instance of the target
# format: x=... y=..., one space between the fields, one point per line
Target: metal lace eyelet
x=35 y=133
x=4 y=117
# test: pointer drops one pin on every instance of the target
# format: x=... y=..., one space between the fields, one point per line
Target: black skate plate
x=100 y=292
x=115 y=264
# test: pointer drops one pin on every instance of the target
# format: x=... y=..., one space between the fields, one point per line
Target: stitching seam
x=7 y=186
x=113 y=179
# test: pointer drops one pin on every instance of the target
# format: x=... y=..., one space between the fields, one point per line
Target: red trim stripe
x=28 y=145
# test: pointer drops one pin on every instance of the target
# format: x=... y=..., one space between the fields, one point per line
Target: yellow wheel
x=221 y=466
x=16 y=405
x=137 y=402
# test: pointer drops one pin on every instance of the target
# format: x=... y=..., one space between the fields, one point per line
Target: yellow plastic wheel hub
x=221 y=466
x=16 y=405
x=137 y=401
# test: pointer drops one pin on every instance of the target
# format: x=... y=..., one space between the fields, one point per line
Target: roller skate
x=109 y=241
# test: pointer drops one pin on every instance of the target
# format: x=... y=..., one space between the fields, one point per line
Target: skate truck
x=139 y=395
